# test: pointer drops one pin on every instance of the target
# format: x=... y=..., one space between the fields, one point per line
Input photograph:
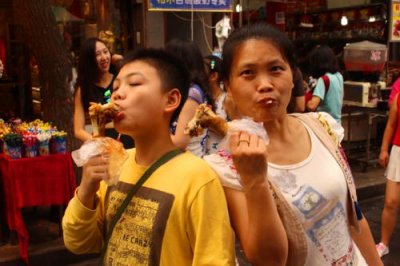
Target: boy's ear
x=173 y=100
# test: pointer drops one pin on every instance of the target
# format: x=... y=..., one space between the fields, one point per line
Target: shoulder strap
x=327 y=82
x=319 y=127
x=297 y=242
x=165 y=158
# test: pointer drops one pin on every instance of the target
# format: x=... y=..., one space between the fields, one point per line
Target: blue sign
x=189 y=5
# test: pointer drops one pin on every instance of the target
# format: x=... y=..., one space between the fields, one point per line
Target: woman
x=94 y=85
x=199 y=93
x=392 y=197
x=328 y=92
x=288 y=201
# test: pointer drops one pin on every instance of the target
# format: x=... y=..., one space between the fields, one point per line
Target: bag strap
x=321 y=127
x=165 y=158
x=327 y=83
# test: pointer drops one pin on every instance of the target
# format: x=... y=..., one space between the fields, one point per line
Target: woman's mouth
x=267 y=102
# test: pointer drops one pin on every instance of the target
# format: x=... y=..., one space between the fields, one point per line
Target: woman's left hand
x=249 y=154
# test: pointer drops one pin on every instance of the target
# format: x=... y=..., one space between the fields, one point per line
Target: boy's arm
x=81 y=229
x=318 y=96
x=82 y=221
x=209 y=229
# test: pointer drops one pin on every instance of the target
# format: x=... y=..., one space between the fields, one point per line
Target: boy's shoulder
x=186 y=163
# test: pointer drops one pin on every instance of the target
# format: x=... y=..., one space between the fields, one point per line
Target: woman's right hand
x=384 y=158
x=94 y=171
x=249 y=154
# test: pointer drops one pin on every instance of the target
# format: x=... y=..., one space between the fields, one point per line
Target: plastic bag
x=115 y=149
x=245 y=124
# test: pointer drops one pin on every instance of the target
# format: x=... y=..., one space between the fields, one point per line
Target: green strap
x=165 y=158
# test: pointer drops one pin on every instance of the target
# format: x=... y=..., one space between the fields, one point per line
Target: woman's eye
x=276 y=68
x=246 y=72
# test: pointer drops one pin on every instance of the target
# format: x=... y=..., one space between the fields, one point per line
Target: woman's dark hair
x=191 y=56
x=261 y=31
x=213 y=64
x=88 y=72
x=169 y=68
x=322 y=60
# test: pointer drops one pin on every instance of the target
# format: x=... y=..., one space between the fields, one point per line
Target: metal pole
x=241 y=13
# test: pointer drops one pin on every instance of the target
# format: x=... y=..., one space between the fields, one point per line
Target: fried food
x=100 y=115
x=206 y=118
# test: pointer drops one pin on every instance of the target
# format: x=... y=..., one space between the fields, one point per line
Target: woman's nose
x=265 y=84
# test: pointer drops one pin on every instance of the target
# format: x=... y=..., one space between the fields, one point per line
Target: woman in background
x=328 y=92
x=199 y=92
x=94 y=84
x=392 y=164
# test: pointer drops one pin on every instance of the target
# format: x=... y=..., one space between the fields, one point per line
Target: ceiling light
x=344 y=21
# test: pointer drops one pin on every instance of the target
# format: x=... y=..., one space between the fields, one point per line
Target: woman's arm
x=388 y=135
x=253 y=211
x=189 y=109
x=365 y=242
x=79 y=118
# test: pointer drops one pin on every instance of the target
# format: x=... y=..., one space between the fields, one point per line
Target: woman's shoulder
x=196 y=93
x=326 y=120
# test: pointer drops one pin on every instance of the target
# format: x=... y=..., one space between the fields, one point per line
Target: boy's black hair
x=322 y=60
x=170 y=69
x=192 y=58
x=259 y=31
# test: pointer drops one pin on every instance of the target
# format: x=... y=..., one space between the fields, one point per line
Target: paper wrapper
x=115 y=149
x=245 y=124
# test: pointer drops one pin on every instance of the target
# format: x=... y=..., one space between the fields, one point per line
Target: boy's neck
x=150 y=149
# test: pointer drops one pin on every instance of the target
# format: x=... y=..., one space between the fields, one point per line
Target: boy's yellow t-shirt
x=178 y=217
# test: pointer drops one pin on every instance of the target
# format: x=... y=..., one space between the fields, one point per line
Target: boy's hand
x=384 y=158
x=94 y=171
x=249 y=154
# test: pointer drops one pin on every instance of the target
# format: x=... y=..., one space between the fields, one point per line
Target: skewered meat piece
x=206 y=118
x=100 y=115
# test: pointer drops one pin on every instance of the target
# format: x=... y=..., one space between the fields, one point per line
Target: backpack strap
x=327 y=82
x=321 y=127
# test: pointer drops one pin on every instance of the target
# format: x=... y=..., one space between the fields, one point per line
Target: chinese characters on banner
x=189 y=5
x=395 y=22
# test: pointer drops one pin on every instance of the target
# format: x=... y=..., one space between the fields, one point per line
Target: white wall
x=154 y=28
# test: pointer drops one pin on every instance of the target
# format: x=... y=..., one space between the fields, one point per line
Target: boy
x=179 y=215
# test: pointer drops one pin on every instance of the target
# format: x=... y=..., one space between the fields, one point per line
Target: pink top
x=396 y=138
x=395 y=90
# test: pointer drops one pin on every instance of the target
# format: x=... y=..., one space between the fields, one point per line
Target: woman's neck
x=104 y=79
x=216 y=91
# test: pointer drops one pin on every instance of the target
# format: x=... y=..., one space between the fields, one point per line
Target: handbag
x=165 y=158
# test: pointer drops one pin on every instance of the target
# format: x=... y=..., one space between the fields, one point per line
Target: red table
x=44 y=180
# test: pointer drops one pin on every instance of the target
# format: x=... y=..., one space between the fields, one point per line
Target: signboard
x=394 y=28
x=190 y=5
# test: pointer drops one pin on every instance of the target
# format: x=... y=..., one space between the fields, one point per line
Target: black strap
x=165 y=158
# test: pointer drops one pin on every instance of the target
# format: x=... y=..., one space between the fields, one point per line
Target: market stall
x=35 y=170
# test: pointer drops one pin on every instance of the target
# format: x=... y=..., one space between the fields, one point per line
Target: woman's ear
x=173 y=100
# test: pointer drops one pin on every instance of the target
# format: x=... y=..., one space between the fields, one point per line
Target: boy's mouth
x=119 y=116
